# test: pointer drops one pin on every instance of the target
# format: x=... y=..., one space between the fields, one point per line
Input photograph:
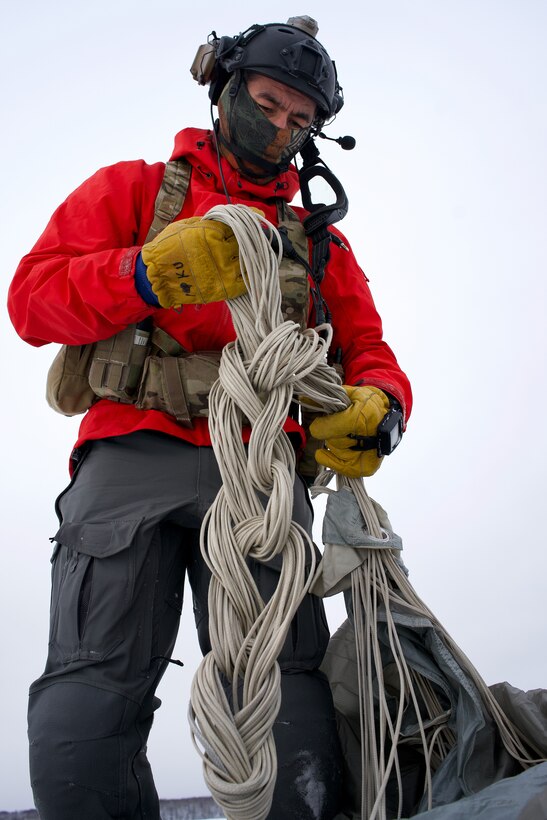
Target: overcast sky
x=448 y=214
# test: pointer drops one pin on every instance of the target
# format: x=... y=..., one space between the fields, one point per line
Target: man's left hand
x=340 y=430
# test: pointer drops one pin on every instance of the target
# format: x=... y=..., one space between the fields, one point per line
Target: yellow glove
x=194 y=261
x=368 y=407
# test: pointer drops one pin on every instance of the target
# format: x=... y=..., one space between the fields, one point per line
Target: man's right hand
x=193 y=261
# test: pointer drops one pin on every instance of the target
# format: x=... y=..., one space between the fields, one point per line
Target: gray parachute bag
x=461 y=750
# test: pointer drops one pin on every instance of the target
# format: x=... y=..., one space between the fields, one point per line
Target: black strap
x=168 y=660
x=364 y=442
x=320 y=216
x=320 y=256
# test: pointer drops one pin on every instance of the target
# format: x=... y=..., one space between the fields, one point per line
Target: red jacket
x=76 y=284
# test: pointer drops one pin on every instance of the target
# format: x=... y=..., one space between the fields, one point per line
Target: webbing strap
x=165 y=343
x=170 y=198
x=174 y=391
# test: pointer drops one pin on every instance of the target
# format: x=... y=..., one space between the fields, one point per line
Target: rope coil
x=235 y=694
x=251 y=517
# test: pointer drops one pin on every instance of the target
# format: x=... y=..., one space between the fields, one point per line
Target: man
x=143 y=472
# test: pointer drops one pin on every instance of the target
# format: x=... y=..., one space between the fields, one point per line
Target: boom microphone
x=347 y=143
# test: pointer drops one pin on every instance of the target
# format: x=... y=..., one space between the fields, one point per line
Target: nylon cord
x=235 y=694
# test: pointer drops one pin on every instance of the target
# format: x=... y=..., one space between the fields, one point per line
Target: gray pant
x=129 y=531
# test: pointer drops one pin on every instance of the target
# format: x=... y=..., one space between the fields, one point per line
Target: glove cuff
x=142 y=283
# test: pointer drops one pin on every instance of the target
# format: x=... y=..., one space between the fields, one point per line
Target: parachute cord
x=235 y=694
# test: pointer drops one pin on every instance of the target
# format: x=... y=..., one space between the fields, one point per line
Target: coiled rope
x=258 y=377
x=235 y=694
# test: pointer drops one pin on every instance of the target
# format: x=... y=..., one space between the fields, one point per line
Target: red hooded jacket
x=76 y=285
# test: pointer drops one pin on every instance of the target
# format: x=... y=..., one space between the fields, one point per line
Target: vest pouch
x=175 y=384
x=179 y=385
x=93 y=574
x=67 y=386
x=117 y=364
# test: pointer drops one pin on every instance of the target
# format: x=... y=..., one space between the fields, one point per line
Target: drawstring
x=169 y=660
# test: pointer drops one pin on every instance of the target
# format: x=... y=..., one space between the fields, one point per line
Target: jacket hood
x=198 y=147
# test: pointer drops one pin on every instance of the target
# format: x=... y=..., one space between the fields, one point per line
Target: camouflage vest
x=145 y=366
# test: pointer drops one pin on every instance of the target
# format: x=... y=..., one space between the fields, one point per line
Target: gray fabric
x=344 y=524
x=345 y=536
x=478 y=778
x=527 y=710
x=128 y=485
x=523 y=797
x=129 y=529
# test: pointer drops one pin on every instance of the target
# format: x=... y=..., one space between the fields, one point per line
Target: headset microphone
x=347 y=143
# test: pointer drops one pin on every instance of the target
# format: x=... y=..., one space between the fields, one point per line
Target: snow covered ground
x=194 y=808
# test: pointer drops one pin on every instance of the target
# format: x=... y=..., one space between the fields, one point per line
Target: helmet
x=284 y=52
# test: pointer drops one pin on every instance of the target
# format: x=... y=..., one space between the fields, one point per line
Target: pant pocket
x=93 y=580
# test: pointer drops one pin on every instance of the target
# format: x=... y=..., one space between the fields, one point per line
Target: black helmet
x=285 y=52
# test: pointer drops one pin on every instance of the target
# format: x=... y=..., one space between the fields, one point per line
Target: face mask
x=250 y=136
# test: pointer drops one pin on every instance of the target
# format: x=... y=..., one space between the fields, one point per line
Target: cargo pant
x=129 y=532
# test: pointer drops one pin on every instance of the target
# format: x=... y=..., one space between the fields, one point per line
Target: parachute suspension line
x=235 y=694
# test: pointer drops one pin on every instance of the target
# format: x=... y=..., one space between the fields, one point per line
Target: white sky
x=448 y=208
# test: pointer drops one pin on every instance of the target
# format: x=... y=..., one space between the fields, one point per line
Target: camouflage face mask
x=250 y=136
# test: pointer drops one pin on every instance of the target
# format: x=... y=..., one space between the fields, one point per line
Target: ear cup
x=223 y=49
x=338 y=100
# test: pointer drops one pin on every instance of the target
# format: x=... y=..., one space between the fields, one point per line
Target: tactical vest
x=145 y=366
